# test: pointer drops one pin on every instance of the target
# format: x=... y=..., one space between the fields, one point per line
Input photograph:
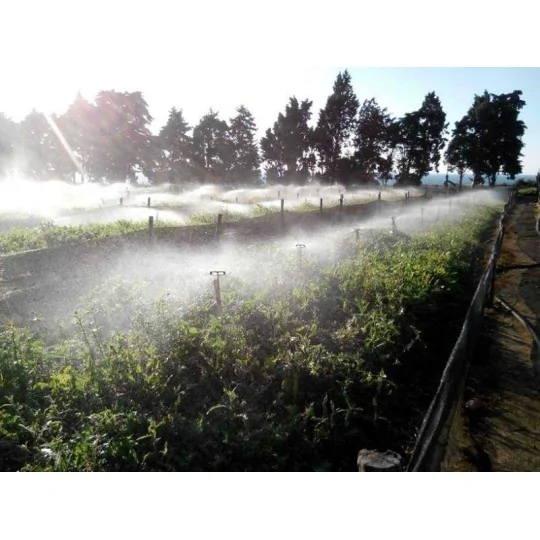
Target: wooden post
x=320 y=206
x=282 y=212
x=379 y=204
x=150 y=228
x=217 y=289
x=341 y=203
x=300 y=247
x=148 y=202
x=218 y=226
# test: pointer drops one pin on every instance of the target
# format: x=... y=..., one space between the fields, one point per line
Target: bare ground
x=502 y=406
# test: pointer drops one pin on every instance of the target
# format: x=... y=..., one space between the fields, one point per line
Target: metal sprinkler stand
x=217 y=289
x=300 y=247
x=394 y=226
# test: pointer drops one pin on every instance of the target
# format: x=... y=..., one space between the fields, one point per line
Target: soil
x=501 y=410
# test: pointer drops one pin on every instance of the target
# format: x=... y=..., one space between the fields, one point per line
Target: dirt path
x=502 y=412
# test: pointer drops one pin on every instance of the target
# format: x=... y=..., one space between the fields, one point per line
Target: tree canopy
x=488 y=140
x=109 y=139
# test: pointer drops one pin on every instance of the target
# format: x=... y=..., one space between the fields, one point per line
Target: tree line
x=350 y=143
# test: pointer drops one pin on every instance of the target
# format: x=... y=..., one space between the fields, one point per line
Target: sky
x=223 y=54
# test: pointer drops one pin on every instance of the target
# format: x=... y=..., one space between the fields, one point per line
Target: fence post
x=218 y=226
x=379 y=204
x=148 y=202
x=282 y=211
x=341 y=203
x=320 y=206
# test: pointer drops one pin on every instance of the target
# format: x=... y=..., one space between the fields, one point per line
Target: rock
x=375 y=461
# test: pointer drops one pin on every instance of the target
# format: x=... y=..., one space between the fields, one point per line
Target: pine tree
x=176 y=147
x=336 y=125
x=245 y=163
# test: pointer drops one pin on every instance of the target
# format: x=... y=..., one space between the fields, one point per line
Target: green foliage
x=287 y=147
x=245 y=161
x=420 y=141
x=373 y=142
x=176 y=148
x=488 y=139
x=336 y=125
x=212 y=149
x=293 y=375
x=49 y=235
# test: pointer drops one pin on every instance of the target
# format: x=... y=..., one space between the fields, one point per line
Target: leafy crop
x=294 y=374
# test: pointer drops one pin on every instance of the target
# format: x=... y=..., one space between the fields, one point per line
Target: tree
x=336 y=125
x=40 y=155
x=494 y=135
x=420 y=141
x=77 y=125
x=245 y=159
x=176 y=147
x=374 y=142
x=123 y=142
x=212 y=149
x=459 y=148
x=288 y=147
x=8 y=134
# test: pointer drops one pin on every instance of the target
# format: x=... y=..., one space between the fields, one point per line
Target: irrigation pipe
x=528 y=325
x=517 y=267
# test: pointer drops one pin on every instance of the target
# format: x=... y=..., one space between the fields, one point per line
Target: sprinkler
x=217 y=289
x=394 y=227
x=357 y=231
x=300 y=247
